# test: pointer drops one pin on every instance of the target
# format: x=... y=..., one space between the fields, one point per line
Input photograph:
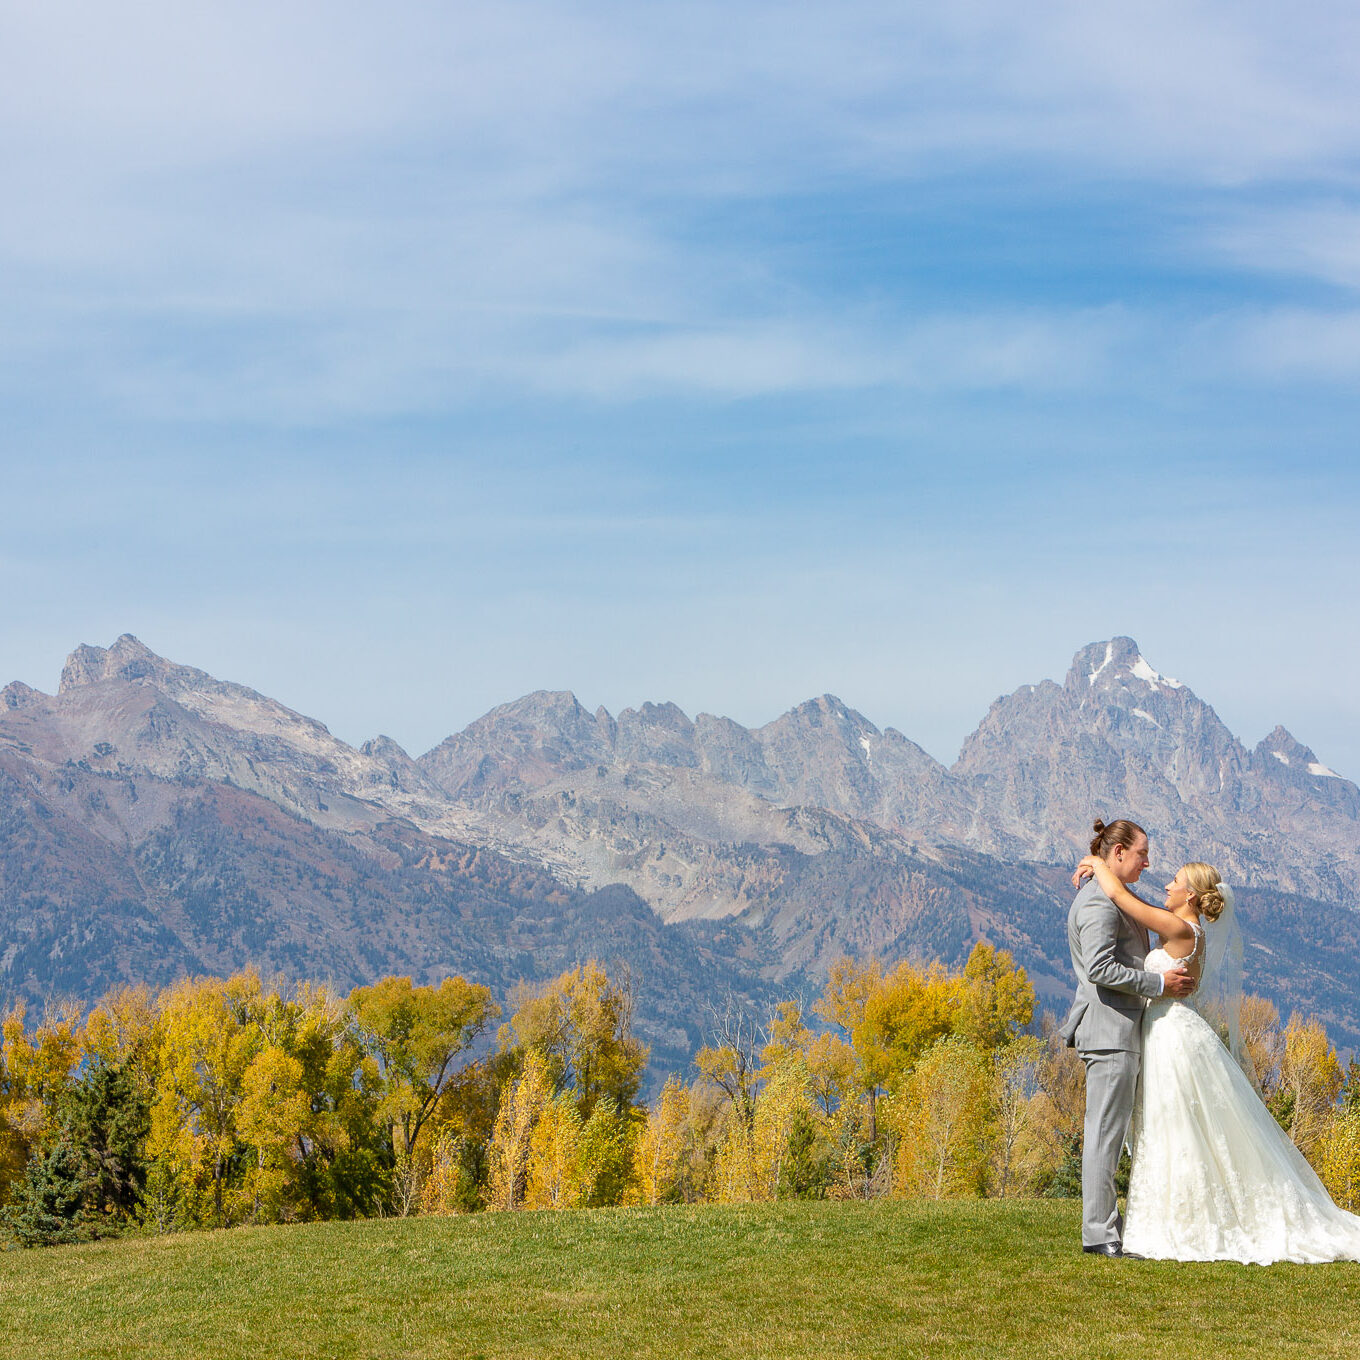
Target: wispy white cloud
x=1290 y=344
x=1216 y=88
x=1319 y=242
x=1043 y=352
x=323 y=210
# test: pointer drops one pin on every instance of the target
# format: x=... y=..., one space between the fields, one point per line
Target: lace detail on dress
x=1214 y=1176
x=1159 y=961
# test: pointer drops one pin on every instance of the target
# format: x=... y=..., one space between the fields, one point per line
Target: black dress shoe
x=1104 y=1249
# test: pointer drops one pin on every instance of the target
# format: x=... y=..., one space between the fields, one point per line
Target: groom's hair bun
x=1122 y=832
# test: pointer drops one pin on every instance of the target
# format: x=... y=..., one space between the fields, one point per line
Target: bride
x=1214 y=1176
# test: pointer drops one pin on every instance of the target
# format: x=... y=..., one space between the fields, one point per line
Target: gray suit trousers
x=1111 y=1080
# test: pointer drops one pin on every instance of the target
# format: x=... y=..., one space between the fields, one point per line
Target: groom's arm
x=1098 y=932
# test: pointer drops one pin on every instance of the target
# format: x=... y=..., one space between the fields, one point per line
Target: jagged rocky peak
x=19 y=695
x=1282 y=749
x=605 y=723
x=383 y=747
x=1120 y=695
x=668 y=716
x=522 y=744
x=129 y=659
x=660 y=734
x=546 y=719
x=826 y=708
x=1104 y=666
x=558 y=708
x=818 y=753
x=816 y=721
x=1033 y=718
x=389 y=765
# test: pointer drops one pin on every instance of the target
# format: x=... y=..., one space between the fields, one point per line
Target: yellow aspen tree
x=38 y=1067
x=728 y=1062
x=14 y=1142
x=943 y=1123
x=582 y=1025
x=705 y=1128
x=786 y=1036
x=849 y=985
x=203 y=1056
x=522 y=1103
x=733 y=1179
x=996 y=999
x=416 y=1036
x=1062 y=1080
x=608 y=1138
x=446 y=1188
x=343 y=1141
x=783 y=1101
x=1262 y=1040
x=1338 y=1158
x=832 y=1072
x=661 y=1152
x=122 y=1027
x=35 y=1070
x=890 y=1019
x=555 y=1175
x=1310 y=1080
x=908 y=1012
x=825 y=1063
x=731 y=1069
x=847 y=1134
x=1024 y=1146
x=844 y=1003
x=274 y=1111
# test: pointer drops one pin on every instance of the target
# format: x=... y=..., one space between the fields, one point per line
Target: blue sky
x=397 y=362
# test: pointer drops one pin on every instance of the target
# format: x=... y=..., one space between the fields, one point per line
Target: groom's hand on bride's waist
x=1177 y=982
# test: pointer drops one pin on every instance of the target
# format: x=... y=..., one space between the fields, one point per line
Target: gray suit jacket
x=1107 y=956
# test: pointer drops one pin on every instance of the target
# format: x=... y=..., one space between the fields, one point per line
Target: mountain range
x=156 y=821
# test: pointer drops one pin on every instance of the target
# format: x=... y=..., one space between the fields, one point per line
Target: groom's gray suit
x=1105 y=1026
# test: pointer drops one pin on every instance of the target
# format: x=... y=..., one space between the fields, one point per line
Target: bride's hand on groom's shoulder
x=1082 y=872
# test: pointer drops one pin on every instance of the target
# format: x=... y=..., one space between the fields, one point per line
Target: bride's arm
x=1167 y=924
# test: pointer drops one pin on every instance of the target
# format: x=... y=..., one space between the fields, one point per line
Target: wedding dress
x=1214 y=1176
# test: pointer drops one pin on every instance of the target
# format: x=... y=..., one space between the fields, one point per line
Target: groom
x=1105 y=1024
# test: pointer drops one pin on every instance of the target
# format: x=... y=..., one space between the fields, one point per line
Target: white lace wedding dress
x=1214 y=1177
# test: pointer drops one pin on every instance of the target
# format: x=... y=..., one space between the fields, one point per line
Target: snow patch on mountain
x=1109 y=655
x=1143 y=671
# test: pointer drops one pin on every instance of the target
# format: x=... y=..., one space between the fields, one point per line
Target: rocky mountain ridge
x=1115 y=738
x=153 y=818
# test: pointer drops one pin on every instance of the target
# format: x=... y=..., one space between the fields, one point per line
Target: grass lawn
x=882 y=1280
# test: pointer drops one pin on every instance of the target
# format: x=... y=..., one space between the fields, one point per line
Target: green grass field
x=786 y=1280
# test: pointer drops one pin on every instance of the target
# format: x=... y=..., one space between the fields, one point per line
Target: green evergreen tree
x=48 y=1206
x=106 y=1118
x=807 y=1168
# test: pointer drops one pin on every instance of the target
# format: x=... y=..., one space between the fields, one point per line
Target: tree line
x=223 y=1101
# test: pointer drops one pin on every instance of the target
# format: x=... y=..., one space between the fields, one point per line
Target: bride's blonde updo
x=1203 y=880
